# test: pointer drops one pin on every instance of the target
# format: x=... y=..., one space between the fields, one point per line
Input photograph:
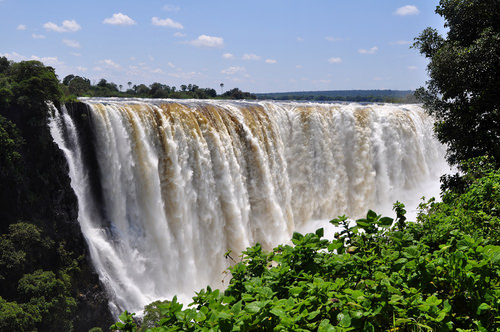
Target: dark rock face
x=43 y=196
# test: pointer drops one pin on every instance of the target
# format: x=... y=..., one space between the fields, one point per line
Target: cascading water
x=181 y=182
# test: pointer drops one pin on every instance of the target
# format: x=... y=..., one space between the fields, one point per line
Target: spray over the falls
x=175 y=184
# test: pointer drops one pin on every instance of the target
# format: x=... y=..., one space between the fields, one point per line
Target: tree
x=79 y=85
x=4 y=64
x=464 y=69
x=142 y=90
x=68 y=79
x=33 y=84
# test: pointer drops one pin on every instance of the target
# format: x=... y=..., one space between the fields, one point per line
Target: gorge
x=166 y=187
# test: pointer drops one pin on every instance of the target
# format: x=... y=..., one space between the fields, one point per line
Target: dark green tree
x=79 y=85
x=463 y=90
x=68 y=79
x=33 y=84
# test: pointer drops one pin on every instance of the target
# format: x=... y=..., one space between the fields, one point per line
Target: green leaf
x=200 y=317
x=256 y=306
x=440 y=316
x=363 y=223
x=433 y=301
x=344 y=319
x=279 y=312
x=411 y=252
x=371 y=215
x=224 y=315
x=482 y=307
x=294 y=291
x=402 y=321
x=313 y=314
x=125 y=316
x=379 y=275
x=325 y=326
x=320 y=232
x=236 y=308
x=297 y=237
x=385 y=222
x=493 y=253
x=335 y=245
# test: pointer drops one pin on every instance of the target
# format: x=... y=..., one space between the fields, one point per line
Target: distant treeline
x=389 y=96
x=82 y=87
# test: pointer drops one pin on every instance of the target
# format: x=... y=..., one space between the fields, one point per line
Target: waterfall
x=176 y=184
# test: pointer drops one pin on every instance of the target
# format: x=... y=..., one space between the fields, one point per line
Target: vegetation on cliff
x=81 y=87
x=464 y=69
x=367 y=96
x=46 y=281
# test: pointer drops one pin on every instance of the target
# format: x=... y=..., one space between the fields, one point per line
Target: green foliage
x=32 y=84
x=14 y=318
x=41 y=276
x=38 y=298
x=81 y=86
x=21 y=248
x=462 y=93
x=238 y=94
x=441 y=273
x=95 y=329
x=152 y=315
x=372 y=96
x=10 y=156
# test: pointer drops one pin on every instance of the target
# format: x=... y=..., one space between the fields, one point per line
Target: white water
x=185 y=181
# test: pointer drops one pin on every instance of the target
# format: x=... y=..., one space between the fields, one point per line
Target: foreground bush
x=440 y=273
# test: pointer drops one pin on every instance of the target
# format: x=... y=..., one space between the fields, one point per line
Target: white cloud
x=171 y=65
x=233 y=70
x=372 y=50
x=80 y=68
x=298 y=66
x=407 y=10
x=71 y=43
x=333 y=39
x=207 y=41
x=22 y=27
x=66 y=26
x=13 y=56
x=119 y=19
x=412 y=67
x=166 y=23
x=300 y=39
x=171 y=8
x=271 y=61
x=254 y=57
x=179 y=35
x=109 y=63
x=228 y=56
x=35 y=36
x=335 y=60
x=48 y=61
x=157 y=71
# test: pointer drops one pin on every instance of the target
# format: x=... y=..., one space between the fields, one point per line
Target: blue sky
x=258 y=46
